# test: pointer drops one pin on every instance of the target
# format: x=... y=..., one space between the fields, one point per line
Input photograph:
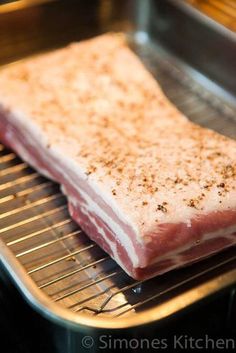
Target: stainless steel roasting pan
x=64 y=276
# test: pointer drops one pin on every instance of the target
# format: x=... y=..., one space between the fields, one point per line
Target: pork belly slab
x=154 y=190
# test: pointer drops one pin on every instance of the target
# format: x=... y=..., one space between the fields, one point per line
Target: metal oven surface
x=67 y=277
x=222 y=11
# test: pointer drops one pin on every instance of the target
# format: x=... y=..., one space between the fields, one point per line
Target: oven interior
x=55 y=255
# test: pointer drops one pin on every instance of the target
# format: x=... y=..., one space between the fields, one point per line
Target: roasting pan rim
x=54 y=312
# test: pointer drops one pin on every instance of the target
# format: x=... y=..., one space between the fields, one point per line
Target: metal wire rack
x=223 y=11
x=72 y=270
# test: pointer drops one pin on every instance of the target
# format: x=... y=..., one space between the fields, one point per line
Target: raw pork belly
x=154 y=190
